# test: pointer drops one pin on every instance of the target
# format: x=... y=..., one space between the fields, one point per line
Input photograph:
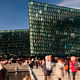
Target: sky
x=14 y=13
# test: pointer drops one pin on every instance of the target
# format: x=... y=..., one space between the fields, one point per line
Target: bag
x=66 y=67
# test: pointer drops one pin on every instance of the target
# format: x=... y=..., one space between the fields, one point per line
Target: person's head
x=73 y=58
x=48 y=57
x=60 y=60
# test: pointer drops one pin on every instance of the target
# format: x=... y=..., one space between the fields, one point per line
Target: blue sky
x=14 y=13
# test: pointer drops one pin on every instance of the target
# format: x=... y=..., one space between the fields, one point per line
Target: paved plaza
x=12 y=67
x=38 y=72
x=40 y=75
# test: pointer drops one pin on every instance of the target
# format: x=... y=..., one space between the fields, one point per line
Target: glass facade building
x=54 y=29
x=15 y=42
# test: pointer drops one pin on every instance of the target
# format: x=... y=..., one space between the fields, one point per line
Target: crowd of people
x=21 y=61
x=68 y=66
x=63 y=66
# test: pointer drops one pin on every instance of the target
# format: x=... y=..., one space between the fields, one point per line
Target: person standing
x=67 y=68
x=60 y=69
x=3 y=73
x=73 y=66
x=47 y=67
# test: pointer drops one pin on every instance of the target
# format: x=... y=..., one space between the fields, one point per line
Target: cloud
x=70 y=3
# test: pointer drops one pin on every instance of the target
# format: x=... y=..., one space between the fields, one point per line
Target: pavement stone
x=13 y=66
x=40 y=75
